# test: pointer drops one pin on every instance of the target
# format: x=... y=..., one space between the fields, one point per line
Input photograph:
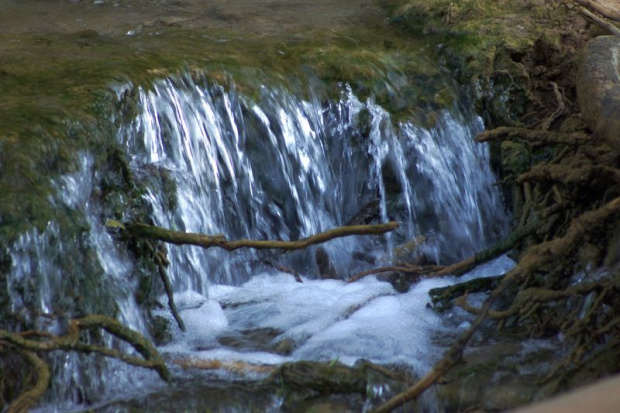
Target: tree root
x=71 y=342
x=27 y=399
x=534 y=136
x=534 y=258
x=600 y=21
x=568 y=174
x=546 y=124
x=526 y=299
x=609 y=12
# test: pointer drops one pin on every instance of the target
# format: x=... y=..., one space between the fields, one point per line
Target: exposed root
x=28 y=398
x=600 y=21
x=529 y=298
x=546 y=124
x=605 y=10
x=413 y=270
x=535 y=137
x=72 y=341
x=569 y=174
x=533 y=259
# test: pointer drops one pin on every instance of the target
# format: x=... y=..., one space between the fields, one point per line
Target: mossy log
x=526 y=299
x=600 y=21
x=139 y=230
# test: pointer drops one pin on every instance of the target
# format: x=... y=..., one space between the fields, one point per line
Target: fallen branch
x=451 y=357
x=207 y=241
x=162 y=263
x=527 y=298
x=460 y=267
x=442 y=296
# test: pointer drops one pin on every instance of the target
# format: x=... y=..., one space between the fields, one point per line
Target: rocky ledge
x=598 y=88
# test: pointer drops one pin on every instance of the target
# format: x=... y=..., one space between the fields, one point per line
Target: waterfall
x=271 y=164
x=279 y=166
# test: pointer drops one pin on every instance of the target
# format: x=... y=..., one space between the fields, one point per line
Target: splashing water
x=273 y=166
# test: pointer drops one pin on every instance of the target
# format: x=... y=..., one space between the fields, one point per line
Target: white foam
x=205 y=322
x=326 y=319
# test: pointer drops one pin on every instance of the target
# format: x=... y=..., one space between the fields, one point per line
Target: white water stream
x=276 y=166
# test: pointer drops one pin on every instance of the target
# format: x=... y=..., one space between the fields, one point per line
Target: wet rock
x=498 y=376
x=598 y=88
x=159 y=329
x=323 y=378
x=324 y=263
x=259 y=339
x=284 y=347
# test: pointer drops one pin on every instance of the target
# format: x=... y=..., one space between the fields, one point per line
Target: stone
x=598 y=88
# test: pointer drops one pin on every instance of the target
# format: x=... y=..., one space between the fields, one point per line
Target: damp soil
x=119 y=17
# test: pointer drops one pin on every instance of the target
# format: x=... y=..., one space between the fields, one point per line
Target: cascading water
x=276 y=166
x=279 y=167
